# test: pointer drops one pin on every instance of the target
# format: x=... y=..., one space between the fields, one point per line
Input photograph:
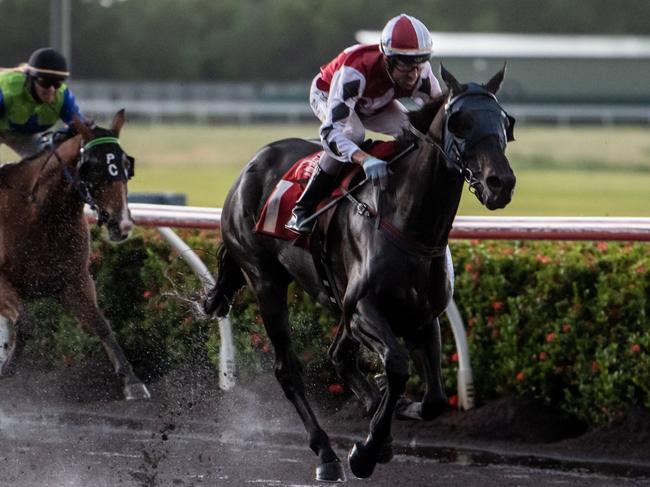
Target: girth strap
x=318 y=247
x=394 y=234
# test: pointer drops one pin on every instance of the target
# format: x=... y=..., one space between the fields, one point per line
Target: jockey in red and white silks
x=356 y=91
x=359 y=89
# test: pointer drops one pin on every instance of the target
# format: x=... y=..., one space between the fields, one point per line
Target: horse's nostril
x=494 y=183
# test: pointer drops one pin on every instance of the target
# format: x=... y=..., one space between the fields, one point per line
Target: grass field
x=593 y=171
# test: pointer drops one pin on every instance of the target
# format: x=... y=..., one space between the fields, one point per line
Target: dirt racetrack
x=506 y=432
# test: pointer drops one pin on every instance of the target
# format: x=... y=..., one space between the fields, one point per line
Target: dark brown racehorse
x=44 y=238
x=388 y=253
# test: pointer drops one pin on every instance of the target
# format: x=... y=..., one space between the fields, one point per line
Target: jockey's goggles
x=49 y=82
x=407 y=68
x=408 y=63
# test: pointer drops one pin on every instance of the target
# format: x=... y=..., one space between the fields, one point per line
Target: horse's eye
x=460 y=124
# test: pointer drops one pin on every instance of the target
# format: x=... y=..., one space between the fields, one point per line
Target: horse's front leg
x=426 y=352
x=81 y=302
x=375 y=332
x=10 y=309
x=272 y=302
x=344 y=354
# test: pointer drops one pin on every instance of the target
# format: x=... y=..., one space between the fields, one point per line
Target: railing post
x=227 y=350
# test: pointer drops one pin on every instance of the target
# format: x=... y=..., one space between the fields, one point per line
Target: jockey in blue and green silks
x=33 y=98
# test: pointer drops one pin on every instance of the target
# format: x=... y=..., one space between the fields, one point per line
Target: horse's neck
x=426 y=197
x=44 y=178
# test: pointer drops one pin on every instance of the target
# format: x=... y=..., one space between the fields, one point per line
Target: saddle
x=277 y=208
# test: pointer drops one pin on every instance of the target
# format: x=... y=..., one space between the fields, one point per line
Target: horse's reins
x=29 y=195
x=80 y=186
x=394 y=234
x=347 y=193
x=467 y=174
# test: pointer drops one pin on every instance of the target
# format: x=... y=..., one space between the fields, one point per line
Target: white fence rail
x=469 y=227
x=465 y=227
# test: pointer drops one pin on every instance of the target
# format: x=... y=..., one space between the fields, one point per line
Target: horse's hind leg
x=271 y=296
x=344 y=354
x=10 y=309
x=82 y=304
x=426 y=353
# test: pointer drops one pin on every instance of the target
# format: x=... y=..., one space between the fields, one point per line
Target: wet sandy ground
x=69 y=428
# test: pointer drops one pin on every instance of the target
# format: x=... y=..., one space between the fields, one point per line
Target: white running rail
x=465 y=227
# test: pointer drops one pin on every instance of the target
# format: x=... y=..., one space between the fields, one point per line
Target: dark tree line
x=212 y=40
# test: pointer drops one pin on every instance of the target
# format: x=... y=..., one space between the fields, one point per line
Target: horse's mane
x=421 y=119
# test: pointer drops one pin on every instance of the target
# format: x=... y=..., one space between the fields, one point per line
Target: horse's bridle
x=112 y=172
x=454 y=148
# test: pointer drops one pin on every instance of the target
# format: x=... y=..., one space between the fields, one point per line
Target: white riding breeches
x=390 y=120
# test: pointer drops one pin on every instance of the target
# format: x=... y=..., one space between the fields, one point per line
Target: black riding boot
x=319 y=186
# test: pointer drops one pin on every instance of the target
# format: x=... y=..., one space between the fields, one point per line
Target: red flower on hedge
x=602 y=246
x=550 y=337
x=497 y=306
x=543 y=356
x=147 y=294
x=566 y=328
x=453 y=401
x=333 y=330
x=256 y=340
x=635 y=348
x=544 y=259
x=454 y=357
x=520 y=376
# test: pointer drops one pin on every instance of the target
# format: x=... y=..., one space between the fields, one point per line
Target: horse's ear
x=495 y=82
x=82 y=128
x=451 y=82
x=118 y=122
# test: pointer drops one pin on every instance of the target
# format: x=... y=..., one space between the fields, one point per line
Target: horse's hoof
x=431 y=411
x=330 y=472
x=386 y=451
x=360 y=467
x=136 y=391
x=407 y=410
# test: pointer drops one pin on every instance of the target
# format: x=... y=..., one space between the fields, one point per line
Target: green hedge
x=566 y=323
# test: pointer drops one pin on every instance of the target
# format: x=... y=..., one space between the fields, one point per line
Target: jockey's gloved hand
x=377 y=171
x=63 y=134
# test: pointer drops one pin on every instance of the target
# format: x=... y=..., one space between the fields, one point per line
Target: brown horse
x=44 y=237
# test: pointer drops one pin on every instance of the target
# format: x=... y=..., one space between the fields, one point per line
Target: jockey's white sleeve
x=347 y=86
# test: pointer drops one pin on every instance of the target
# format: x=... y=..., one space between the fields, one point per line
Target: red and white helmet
x=406 y=36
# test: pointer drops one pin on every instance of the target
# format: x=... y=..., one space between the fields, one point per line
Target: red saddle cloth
x=277 y=209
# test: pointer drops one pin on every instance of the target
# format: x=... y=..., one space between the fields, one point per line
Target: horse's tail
x=230 y=279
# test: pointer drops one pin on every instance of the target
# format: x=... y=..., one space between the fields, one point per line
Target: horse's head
x=475 y=132
x=104 y=170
